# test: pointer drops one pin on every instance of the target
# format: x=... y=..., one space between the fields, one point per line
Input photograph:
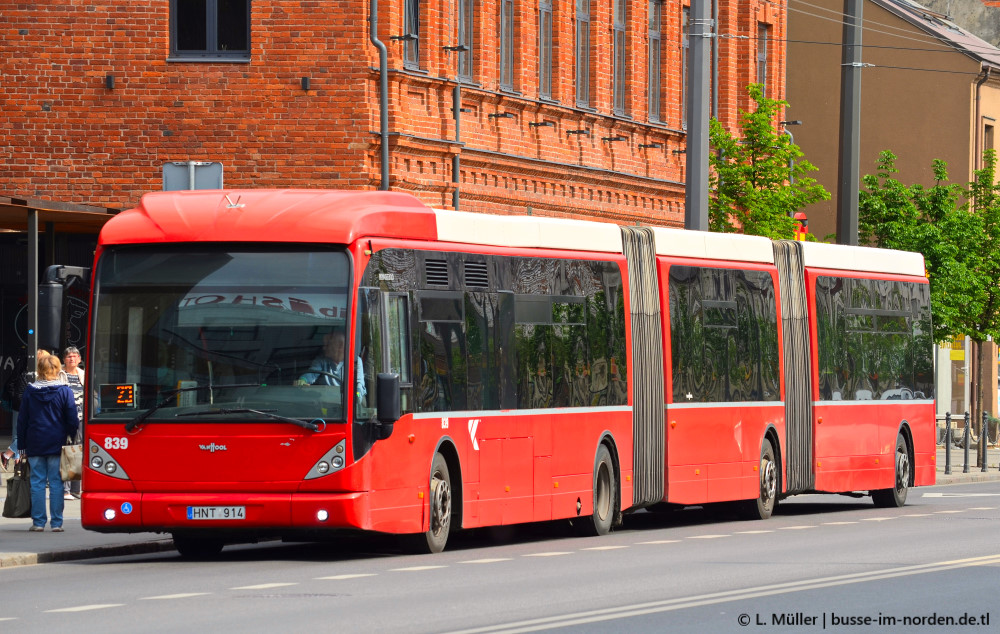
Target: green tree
x=957 y=230
x=759 y=177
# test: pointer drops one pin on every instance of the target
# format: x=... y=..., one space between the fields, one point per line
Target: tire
x=770 y=480
x=197 y=547
x=605 y=497
x=896 y=496
x=436 y=536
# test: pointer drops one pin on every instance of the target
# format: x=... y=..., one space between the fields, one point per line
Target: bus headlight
x=96 y=462
x=331 y=461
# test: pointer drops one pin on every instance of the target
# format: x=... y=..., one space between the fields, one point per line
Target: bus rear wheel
x=436 y=536
x=896 y=496
x=605 y=497
x=767 y=498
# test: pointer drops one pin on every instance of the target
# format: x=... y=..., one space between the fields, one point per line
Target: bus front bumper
x=170 y=512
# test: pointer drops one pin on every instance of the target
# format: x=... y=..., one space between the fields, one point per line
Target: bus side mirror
x=389 y=407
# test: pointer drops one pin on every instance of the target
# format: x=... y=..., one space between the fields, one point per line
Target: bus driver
x=328 y=368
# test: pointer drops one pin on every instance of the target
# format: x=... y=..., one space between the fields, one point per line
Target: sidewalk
x=19 y=547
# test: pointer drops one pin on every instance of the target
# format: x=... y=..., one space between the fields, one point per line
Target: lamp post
x=791 y=140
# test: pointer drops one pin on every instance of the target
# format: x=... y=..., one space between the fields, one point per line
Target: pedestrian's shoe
x=57 y=529
x=68 y=496
x=36 y=529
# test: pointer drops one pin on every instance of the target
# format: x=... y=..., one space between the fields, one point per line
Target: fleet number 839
x=116 y=442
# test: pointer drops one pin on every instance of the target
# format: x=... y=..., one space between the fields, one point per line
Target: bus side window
x=369 y=348
x=398 y=341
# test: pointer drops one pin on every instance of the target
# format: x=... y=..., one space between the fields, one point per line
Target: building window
x=988 y=137
x=545 y=49
x=583 y=53
x=210 y=28
x=507 y=44
x=763 y=35
x=466 y=23
x=621 y=15
x=655 y=48
x=411 y=34
x=685 y=46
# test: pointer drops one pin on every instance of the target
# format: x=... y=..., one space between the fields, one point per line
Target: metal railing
x=966 y=441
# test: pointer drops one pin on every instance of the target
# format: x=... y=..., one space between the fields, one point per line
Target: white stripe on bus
x=559 y=411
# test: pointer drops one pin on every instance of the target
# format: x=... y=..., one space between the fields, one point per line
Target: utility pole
x=696 y=190
x=850 y=125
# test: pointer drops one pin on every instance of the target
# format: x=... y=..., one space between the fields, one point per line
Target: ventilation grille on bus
x=436 y=272
x=798 y=458
x=476 y=275
x=649 y=449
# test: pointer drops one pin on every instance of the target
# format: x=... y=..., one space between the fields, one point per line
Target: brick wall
x=64 y=135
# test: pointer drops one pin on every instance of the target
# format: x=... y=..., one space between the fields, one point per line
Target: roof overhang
x=63 y=217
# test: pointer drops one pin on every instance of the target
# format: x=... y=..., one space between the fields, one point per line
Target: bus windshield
x=192 y=333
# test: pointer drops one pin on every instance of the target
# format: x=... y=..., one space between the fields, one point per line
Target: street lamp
x=791 y=140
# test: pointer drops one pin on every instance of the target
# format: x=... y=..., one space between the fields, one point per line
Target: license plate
x=216 y=512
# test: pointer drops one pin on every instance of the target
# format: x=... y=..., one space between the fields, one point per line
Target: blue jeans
x=45 y=470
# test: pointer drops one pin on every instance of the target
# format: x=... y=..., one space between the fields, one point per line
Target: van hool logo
x=212 y=447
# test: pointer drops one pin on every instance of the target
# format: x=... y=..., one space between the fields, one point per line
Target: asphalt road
x=820 y=561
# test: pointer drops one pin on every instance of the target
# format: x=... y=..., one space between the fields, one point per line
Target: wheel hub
x=768 y=480
x=440 y=505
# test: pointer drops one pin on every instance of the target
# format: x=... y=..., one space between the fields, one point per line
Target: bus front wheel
x=436 y=536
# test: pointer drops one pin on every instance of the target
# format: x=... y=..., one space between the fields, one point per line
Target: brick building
x=568 y=107
x=562 y=111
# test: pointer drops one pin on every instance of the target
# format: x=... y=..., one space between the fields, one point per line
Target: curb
x=11 y=560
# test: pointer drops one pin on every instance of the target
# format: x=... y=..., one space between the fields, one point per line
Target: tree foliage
x=759 y=177
x=957 y=229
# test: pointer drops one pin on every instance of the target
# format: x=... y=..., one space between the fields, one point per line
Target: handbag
x=71 y=462
x=18 y=502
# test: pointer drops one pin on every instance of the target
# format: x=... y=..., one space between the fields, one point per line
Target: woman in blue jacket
x=47 y=417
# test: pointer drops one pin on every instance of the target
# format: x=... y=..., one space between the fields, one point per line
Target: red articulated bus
x=283 y=363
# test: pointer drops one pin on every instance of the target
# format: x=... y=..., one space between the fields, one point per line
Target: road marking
x=680 y=603
x=416 y=568
x=961 y=495
x=753 y=532
x=661 y=541
x=182 y=595
x=485 y=561
x=264 y=586
x=944 y=512
x=983 y=508
x=353 y=576
x=552 y=554
x=793 y=528
x=876 y=519
x=84 y=608
x=837 y=523
x=604 y=548
x=917 y=515
x=8 y=618
x=707 y=536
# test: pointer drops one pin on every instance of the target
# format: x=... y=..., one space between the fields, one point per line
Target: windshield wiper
x=170 y=394
x=311 y=426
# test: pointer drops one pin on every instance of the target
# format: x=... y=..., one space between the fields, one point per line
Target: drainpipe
x=976 y=160
x=383 y=97
x=456 y=161
x=715 y=59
